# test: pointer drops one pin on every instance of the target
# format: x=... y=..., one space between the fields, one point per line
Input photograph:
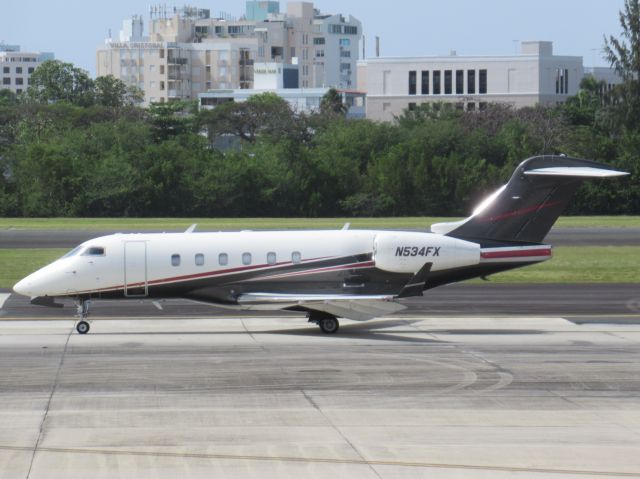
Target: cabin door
x=135 y=269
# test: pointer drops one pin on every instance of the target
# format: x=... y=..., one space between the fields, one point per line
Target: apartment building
x=16 y=66
x=188 y=52
x=535 y=76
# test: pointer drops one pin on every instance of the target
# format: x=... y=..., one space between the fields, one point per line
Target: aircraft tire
x=82 y=327
x=329 y=325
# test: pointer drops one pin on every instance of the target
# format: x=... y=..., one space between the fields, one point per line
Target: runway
x=422 y=394
x=557 y=237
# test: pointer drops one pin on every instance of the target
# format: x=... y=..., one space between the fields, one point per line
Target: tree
x=331 y=103
x=624 y=56
x=110 y=91
x=54 y=81
x=7 y=97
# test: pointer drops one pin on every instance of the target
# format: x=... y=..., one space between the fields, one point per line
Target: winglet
x=346 y=226
x=191 y=228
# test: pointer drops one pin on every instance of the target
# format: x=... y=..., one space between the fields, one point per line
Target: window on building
x=30 y=70
x=471 y=82
x=412 y=82
x=447 y=82
x=318 y=41
x=482 y=106
x=319 y=53
x=424 y=83
x=566 y=82
x=161 y=69
x=296 y=257
x=350 y=30
x=219 y=30
x=246 y=258
x=19 y=70
x=459 y=82
x=199 y=259
x=6 y=70
x=345 y=42
x=436 y=82
x=175 y=260
x=293 y=52
x=271 y=258
x=19 y=81
x=6 y=81
x=345 y=53
x=18 y=91
x=161 y=53
x=161 y=85
x=471 y=106
x=335 y=28
x=482 y=84
x=223 y=259
x=412 y=106
x=345 y=67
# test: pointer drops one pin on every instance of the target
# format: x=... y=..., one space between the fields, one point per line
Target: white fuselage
x=135 y=262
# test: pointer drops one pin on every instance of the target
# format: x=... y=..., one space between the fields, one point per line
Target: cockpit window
x=94 y=251
x=73 y=252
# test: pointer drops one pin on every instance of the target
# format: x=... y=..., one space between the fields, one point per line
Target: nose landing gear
x=82 y=308
x=328 y=323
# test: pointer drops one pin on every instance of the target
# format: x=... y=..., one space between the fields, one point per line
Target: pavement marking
x=410 y=464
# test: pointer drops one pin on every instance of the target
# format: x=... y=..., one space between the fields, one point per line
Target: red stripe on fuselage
x=520 y=253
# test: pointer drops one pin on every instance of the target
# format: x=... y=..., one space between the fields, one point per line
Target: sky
x=73 y=29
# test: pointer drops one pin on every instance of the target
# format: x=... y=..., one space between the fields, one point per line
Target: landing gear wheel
x=329 y=325
x=82 y=327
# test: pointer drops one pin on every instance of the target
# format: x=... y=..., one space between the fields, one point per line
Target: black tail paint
x=530 y=203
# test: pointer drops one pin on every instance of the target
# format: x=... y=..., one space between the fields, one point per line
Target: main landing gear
x=82 y=308
x=328 y=323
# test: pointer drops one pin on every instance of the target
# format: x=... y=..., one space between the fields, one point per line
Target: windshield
x=74 y=252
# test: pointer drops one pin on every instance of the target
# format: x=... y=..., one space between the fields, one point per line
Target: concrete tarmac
x=557 y=237
x=260 y=397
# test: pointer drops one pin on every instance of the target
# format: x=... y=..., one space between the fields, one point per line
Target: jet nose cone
x=22 y=287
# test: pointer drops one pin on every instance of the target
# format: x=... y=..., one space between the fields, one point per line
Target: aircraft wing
x=357 y=307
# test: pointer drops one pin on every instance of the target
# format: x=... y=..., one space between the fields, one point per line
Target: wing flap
x=357 y=307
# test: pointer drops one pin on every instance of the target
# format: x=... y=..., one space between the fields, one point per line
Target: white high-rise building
x=188 y=52
x=16 y=67
x=535 y=76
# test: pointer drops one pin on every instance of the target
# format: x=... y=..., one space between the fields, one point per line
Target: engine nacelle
x=405 y=252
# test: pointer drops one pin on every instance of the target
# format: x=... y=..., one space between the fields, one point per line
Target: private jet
x=354 y=274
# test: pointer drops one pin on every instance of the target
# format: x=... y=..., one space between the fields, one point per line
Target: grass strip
x=215 y=224
x=570 y=264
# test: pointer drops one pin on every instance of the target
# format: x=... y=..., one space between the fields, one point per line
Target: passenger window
x=199 y=259
x=175 y=260
x=246 y=258
x=271 y=258
x=296 y=257
x=223 y=259
x=94 y=251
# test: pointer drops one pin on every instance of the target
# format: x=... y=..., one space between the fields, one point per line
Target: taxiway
x=418 y=395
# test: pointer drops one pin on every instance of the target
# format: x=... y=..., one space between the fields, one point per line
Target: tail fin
x=526 y=207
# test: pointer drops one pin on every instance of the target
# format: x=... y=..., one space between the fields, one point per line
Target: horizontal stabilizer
x=576 y=171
